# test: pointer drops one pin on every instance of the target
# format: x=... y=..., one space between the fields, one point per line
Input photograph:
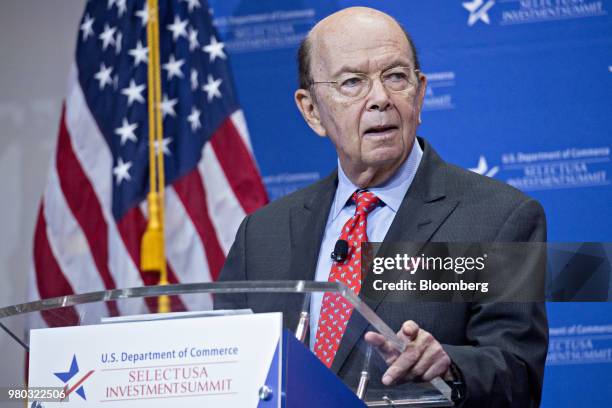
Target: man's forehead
x=357 y=32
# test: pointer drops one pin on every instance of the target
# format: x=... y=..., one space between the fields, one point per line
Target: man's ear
x=421 y=93
x=308 y=109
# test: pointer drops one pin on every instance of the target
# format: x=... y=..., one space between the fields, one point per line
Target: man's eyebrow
x=400 y=62
x=346 y=68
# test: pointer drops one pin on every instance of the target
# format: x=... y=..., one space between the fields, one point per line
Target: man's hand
x=423 y=360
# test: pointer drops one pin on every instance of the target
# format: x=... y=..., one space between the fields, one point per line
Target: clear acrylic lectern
x=358 y=365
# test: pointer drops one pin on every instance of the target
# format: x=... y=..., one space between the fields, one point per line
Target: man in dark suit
x=360 y=85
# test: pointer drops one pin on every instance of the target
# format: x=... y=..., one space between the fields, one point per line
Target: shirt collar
x=391 y=193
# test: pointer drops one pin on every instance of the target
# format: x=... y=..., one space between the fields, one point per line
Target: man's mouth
x=380 y=130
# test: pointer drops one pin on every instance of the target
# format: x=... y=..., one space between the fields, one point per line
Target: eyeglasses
x=356 y=85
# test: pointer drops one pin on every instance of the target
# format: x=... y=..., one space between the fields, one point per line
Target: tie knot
x=365 y=201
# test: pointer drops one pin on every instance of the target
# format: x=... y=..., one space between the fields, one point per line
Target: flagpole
x=152 y=251
x=164 y=300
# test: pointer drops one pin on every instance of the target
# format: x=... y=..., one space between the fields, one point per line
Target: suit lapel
x=424 y=209
x=307 y=227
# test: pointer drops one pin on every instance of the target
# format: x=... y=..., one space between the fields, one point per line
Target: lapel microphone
x=340 y=251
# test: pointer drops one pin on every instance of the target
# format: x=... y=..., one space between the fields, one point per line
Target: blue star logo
x=65 y=377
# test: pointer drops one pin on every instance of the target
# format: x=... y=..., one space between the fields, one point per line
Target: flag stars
x=214 y=49
x=107 y=36
x=104 y=75
x=194 y=79
x=140 y=54
x=87 y=27
x=212 y=88
x=193 y=4
x=167 y=106
x=143 y=14
x=165 y=142
x=126 y=132
x=121 y=171
x=194 y=119
x=178 y=28
x=121 y=7
x=174 y=67
x=134 y=92
x=193 y=39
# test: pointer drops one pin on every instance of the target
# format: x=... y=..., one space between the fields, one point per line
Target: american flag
x=93 y=214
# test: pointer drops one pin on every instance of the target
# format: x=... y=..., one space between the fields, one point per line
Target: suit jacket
x=500 y=348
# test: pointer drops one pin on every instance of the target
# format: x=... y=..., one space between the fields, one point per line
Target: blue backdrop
x=518 y=90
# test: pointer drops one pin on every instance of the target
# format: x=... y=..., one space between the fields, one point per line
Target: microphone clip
x=340 y=251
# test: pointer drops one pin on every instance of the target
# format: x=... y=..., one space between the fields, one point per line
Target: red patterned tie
x=335 y=310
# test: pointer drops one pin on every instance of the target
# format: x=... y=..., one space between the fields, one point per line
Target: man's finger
x=386 y=350
x=432 y=353
x=374 y=339
x=403 y=364
x=437 y=369
x=410 y=329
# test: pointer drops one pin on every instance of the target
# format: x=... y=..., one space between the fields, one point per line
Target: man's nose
x=378 y=97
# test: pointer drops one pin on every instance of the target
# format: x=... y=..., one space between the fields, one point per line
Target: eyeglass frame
x=370 y=82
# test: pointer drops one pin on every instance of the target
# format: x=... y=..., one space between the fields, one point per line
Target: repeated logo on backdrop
x=273 y=29
x=478 y=11
x=279 y=185
x=438 y=95
x=579 y=344
x=510 y=12
x=557 y=169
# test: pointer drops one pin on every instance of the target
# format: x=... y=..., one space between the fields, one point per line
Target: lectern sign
x=193 y=362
